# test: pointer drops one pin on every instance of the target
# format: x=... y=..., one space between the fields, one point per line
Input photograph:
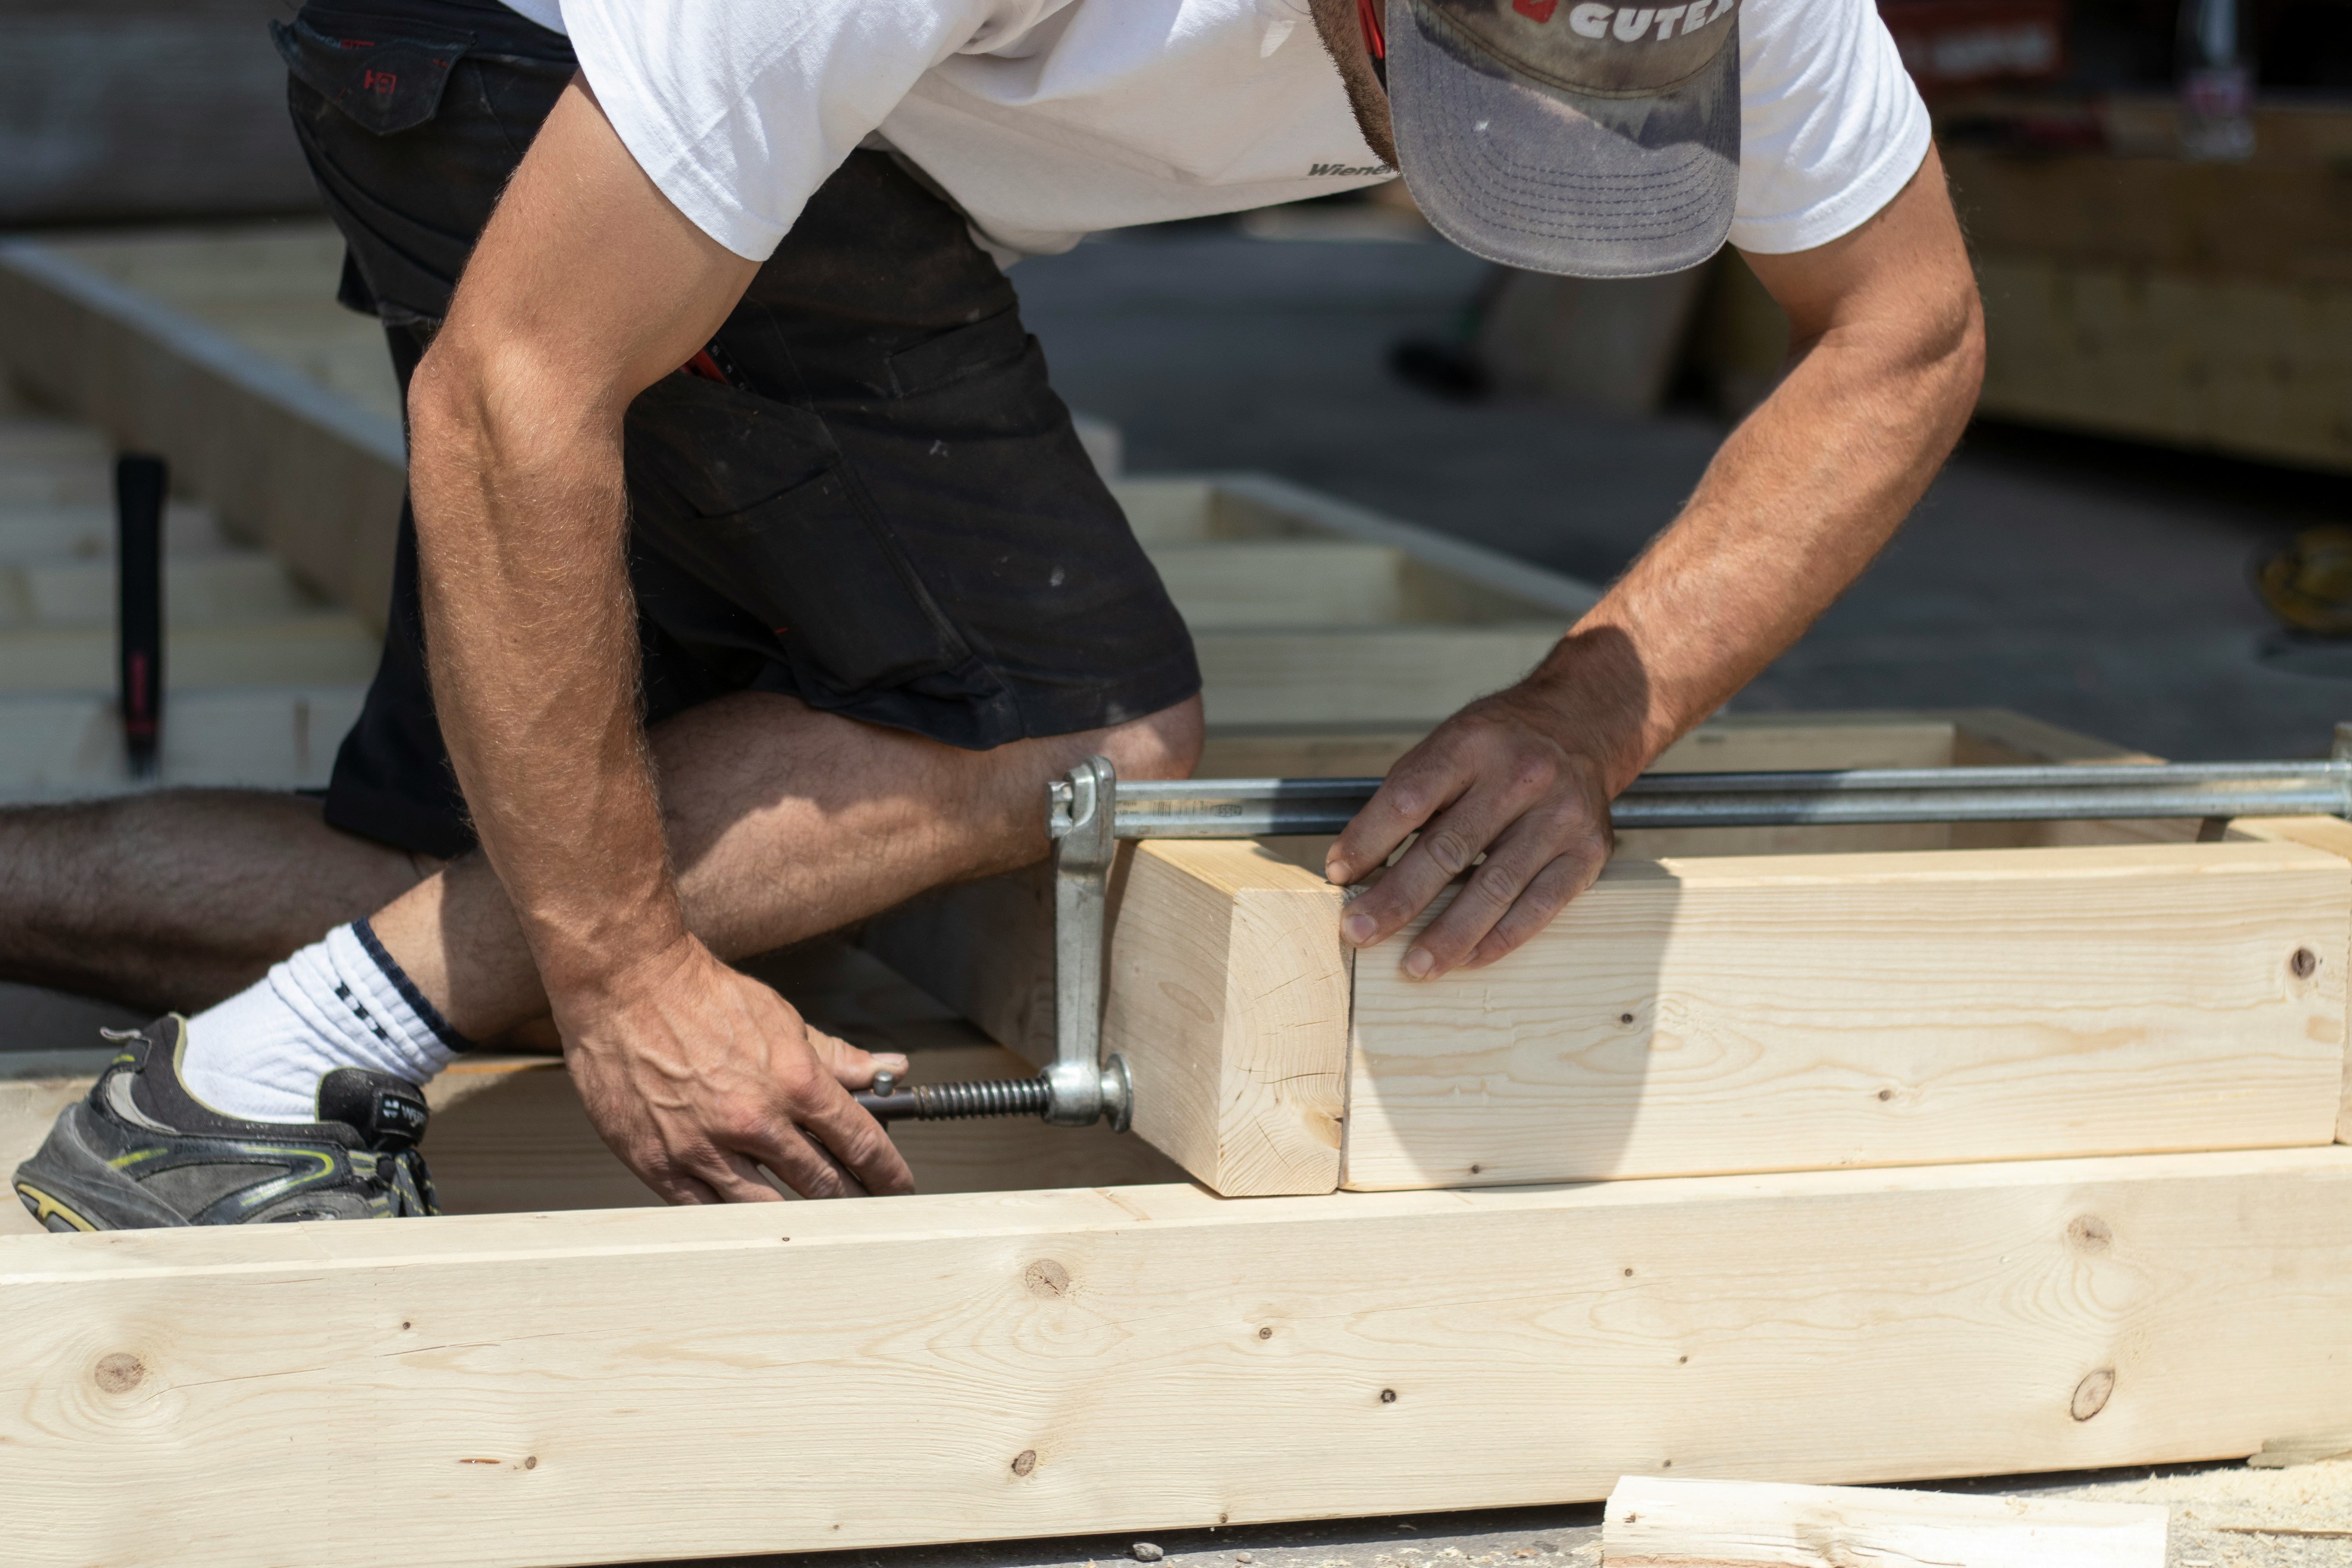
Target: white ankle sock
x=340 y=1003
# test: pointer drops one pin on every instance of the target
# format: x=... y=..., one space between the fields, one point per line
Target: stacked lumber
x=2130 y=291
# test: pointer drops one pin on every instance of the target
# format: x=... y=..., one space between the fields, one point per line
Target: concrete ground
x=2097 y=585
x=2224 y=1516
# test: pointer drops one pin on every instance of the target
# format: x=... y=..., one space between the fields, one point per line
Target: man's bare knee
x=1162 y=745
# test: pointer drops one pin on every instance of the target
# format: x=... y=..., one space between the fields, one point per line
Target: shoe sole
x=52 y=1215
x=67 y=1179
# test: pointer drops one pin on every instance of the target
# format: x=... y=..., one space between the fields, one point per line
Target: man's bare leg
x=176 y=900
x=783 y=823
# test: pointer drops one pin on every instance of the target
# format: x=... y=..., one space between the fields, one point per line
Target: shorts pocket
x=958 y=352
x=383 y=82
x=753 y=498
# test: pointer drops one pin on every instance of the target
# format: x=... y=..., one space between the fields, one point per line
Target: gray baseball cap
x=1594 y=139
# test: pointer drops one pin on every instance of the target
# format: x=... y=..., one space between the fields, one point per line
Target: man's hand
x=697 y=1076
x=1886 y=348
x=1498 y=778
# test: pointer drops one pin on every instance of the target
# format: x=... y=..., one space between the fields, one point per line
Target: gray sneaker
x=142 y=1152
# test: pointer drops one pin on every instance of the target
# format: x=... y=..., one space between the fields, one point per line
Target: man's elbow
x=1952 y=347
x=495 y=416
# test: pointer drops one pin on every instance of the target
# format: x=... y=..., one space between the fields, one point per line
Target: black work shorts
x=880 y=507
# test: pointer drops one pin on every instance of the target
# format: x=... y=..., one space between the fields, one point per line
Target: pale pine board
x=1719 y=1015
x=507 y=1392
x=1655 y=1522
x=1228 y=1000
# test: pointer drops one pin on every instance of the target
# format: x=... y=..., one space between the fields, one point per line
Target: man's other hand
x=1886 y=350
x=698 y=1077
x=1498 y=779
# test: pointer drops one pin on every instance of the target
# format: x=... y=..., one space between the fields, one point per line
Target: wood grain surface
x=637 y=1385
x=1708 y=1015
x=1228 y=1000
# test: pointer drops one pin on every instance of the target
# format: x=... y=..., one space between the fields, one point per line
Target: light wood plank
x=1994 y=736
x=1655 y=1522
x=1397 y=673
x=507 y=1392
x=322 y=648
x=1282 y=582
x=1719 y=1015
x=1228 y=999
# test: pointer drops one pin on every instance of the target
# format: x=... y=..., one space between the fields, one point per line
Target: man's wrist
x=1595 y=698
x=588 y=964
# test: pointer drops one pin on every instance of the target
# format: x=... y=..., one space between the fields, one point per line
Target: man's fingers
x=724 y=1175
x=805 y=1165
x=1422 y=783
x=1500 y=890
x=1445 y=850
x=1545 y=896
x=858 y=1142
x=852 y=1066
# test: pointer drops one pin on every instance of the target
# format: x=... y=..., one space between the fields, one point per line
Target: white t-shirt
x=1050 y=119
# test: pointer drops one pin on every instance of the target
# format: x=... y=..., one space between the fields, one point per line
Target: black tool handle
x=139 y=488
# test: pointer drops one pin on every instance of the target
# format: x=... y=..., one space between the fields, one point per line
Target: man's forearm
x=530 y=640
x=1797 y=503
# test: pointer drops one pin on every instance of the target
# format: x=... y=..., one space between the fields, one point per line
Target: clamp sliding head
x=1079 y=817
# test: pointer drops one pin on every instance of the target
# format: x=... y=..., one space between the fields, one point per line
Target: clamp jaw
x=1079 y=1088
x=1079 y=818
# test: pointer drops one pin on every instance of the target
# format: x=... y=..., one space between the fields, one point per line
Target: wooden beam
x=1228 y=1000
x=1719 y=1015
x=511 y=1391
x=1992 y=736
x=1653 y=1522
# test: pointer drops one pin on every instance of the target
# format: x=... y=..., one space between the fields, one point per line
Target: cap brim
x=1552 y=181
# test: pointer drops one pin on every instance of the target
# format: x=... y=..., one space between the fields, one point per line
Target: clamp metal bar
x=1251 y=808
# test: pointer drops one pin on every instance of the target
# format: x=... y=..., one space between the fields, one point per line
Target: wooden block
x=41 y=531
x=503 y=1392
x=321 y=647
x=2247 y=365
x=69 y=747
x=1282 y=582
x=1709 y=1016
x=224 y=589
x=1228 y=998
x=1653 y=1522
x=1411 y=672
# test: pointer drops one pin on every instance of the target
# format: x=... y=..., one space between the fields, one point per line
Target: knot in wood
x=120 y=1373
x=1024 y=1462
x=2091 y=1394
x=1046 y=1278
x=2302 y=963
x=2090 y=1233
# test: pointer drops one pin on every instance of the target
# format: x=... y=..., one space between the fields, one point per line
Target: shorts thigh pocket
x=386 y=84
x=754 y=500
